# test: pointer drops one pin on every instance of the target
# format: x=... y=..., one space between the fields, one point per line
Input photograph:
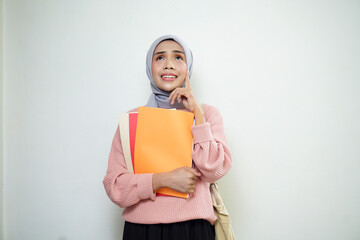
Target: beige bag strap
x=202 y=107
x=125 y=140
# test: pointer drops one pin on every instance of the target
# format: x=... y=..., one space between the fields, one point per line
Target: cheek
x=154 y=67
x=182 y=68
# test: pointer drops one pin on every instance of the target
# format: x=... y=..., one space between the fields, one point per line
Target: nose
x=169 y=64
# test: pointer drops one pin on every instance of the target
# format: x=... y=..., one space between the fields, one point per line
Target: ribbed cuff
x=144 y=186
x=202 y=133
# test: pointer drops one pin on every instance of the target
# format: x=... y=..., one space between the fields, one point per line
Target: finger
x=179 y=97
x=191 y=187
x=187 y=80
x=172 y=100
x=172 y=96
x=194 y=171
x=173 y=93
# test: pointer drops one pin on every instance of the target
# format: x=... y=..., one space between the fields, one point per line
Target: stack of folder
x=156 y=140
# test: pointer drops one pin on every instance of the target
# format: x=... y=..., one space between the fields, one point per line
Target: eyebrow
x=175 y=51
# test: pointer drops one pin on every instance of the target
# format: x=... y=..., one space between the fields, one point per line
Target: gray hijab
x=159 y=98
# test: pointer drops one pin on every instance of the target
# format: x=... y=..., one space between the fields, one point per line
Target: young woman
x=147 y=216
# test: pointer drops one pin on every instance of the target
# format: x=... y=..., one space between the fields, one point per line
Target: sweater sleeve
x=122 y=187
x=211 y=153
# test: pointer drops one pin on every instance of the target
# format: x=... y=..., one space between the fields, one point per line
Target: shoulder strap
x=202 y=107
x=125 y=140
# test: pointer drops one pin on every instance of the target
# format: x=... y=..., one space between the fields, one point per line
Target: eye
x=159 y=58
x=178 y=58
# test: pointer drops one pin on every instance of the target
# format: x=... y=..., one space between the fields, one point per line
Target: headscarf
x=159 y=98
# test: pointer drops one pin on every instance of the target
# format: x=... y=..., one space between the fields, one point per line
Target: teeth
x=169 y=76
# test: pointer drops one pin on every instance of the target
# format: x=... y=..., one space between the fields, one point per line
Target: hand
x=184 y=94
x=181 y=179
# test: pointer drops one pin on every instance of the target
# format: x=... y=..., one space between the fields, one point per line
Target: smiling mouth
x=168 y=77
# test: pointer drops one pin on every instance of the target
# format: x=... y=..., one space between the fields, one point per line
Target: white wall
x=1 y=124
x=284 y=74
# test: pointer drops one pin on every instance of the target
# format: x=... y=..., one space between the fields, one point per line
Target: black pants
x=198 y=229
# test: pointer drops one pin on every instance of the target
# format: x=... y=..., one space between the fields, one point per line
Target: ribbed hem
x=144 y=186
x=173 y=209
x=202 y=133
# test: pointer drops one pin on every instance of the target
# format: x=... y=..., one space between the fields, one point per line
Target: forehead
x=168 y=45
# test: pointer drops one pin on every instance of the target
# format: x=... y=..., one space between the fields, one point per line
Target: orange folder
x=163 y=142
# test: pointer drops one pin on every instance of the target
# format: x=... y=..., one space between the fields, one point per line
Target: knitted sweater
x=134 y=192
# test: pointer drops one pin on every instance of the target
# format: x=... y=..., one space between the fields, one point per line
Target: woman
x=147 y=216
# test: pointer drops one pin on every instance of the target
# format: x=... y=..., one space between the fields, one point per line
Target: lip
x=168 y=79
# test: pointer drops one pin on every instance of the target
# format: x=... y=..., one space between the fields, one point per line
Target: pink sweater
x=134 y=192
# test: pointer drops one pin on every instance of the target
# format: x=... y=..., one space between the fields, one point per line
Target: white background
x=284 y=74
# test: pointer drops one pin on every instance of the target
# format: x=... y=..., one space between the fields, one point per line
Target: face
x=169 y=65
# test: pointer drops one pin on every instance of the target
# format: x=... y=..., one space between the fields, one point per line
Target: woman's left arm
x=211 y=153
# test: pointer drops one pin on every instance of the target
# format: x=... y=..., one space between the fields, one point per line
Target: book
x=163 y=142
x=157 y=140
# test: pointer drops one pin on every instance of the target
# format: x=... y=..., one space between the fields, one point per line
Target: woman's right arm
x=124 y=188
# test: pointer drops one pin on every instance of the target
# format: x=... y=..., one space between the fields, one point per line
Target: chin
x=169 y=87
